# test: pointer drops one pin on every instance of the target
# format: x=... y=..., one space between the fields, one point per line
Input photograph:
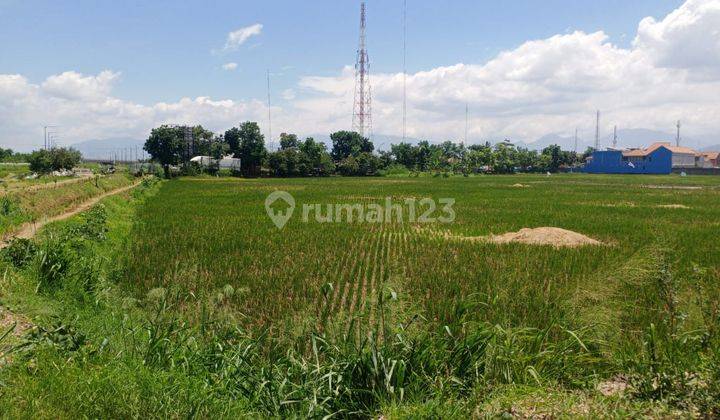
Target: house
x=654 y=160
x=682 y=157
x=711 y=159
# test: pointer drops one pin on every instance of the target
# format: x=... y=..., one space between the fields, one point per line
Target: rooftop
x=657 y=145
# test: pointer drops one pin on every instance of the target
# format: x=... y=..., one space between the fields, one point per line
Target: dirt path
x=28 y=230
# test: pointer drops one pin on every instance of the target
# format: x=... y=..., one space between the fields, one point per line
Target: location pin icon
x=278 y=212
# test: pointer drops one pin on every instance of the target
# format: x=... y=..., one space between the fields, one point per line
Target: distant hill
x=629 y=137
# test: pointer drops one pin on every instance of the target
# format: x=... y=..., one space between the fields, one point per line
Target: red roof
x=711 y=155
x=653 y=147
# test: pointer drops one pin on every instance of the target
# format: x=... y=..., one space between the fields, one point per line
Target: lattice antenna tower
x=362 y=104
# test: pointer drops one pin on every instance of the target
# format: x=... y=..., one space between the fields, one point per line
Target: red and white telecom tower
x=362 y=116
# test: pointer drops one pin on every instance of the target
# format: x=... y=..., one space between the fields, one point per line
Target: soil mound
x=545 y=236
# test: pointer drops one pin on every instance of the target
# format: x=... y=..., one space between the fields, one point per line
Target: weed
x=19 y=252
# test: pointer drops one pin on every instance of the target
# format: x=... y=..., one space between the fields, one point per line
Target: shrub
x=19 y=252
x=395 y=169
x=55 y=159
x=52 y=265
x=7 y=206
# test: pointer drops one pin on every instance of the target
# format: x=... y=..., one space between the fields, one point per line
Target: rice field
x=183 y=298
x=199 y=236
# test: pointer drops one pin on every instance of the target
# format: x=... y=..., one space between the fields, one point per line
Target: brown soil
x=545 y=236
x=8 y=319
x=28 y=230
x=615 y=386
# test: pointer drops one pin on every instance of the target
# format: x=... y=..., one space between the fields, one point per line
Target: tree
x=349 y=166
x=5 y=154
x=251 y=149
x=202 y=140
x=166 y=146
x=40 y=161
x=349 y=143
x=232 y=138
x=288 y=141
x=368 y=164
x=285 y=162
x=504 y=159
x=55 y=159
x=405 y=154
x=527 y=160
x=315 y=160
x=64 y=158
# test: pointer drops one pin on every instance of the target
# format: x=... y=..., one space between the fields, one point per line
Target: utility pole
x=597 y=130
x=47 y=143
x=269 y=113
x=677 y=137
x=404 y=105
x=576 y=140
x=466 y=124
x=614 y=137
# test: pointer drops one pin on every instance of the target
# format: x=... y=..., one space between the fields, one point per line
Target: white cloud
x=689 y=37
x=238 y=37
x=542 y=86
x=229 y=66
x=72 y=85
x=92 y=112
x=288 y=94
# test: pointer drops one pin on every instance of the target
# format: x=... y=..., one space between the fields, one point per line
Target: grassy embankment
x=210 y=310
x=30 y=203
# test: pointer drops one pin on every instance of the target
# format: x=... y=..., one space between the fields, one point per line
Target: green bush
x=52 y=265
x=19 y=252
x=55 y=159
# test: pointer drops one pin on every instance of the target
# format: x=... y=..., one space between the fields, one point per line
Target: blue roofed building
x=657 y=159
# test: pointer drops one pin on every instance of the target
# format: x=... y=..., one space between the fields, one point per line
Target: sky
x=115 y=69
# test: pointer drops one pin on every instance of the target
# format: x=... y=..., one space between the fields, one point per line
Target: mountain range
x=627 y=138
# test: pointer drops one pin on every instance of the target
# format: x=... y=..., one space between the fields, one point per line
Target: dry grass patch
x=554 y=236
x=672 y=206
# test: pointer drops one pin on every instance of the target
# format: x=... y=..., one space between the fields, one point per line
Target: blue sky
x=164 y=48
x=526 y=68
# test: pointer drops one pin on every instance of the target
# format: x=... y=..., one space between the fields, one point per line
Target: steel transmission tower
x=362 y=115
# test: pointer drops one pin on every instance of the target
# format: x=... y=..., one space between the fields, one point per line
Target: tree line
x=351 y=154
